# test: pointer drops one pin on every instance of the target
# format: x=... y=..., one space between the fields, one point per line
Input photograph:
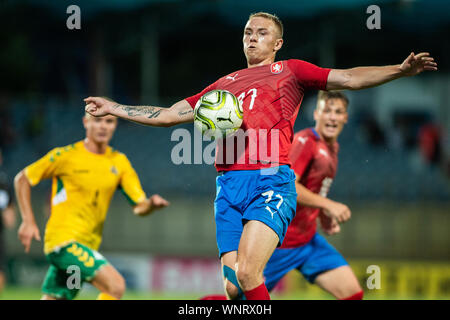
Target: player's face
x=100 y=129
x=330 y=116
x=261 y=41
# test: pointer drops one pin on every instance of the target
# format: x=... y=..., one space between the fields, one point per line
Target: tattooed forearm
x=155 y=114
x=136 y=111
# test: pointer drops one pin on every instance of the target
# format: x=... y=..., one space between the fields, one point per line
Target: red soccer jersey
x=315 y=162
x=271 y=96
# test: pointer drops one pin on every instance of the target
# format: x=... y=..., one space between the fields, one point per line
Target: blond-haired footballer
x=84 y=176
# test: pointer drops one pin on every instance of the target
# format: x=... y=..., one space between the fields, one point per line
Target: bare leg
x=108 y=280
x=340 y=282
x=229 y=259
x=258 y=241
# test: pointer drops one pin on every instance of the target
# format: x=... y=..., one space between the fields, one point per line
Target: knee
x=243 y=275
x=248 y=277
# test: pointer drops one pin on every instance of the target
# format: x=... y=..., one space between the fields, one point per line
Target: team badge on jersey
x=114 y=170
x=276 y=67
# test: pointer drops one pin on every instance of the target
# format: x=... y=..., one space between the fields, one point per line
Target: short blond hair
x=271 y=17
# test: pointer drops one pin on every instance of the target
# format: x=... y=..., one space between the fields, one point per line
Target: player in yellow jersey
x=85 y=176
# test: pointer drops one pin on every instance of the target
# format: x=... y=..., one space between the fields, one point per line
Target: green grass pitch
x=22 y=293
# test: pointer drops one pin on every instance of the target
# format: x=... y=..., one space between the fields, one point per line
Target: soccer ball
x=218 y=114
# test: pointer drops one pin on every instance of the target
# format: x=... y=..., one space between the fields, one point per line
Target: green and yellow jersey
x=82 y=188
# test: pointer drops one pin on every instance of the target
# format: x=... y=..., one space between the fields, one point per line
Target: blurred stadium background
x=394 y=169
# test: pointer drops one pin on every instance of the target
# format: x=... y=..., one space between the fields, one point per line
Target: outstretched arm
x=180 y=112
x=367 y=77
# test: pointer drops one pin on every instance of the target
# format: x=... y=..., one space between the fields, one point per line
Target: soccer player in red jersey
x=256 y=197
x=314 y=156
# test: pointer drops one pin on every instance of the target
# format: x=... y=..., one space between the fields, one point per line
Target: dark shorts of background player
x=67 y=262
x=311 y=259
x=266 y=195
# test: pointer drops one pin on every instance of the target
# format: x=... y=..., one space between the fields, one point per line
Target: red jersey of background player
x=315 y=162
x=271 y=96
